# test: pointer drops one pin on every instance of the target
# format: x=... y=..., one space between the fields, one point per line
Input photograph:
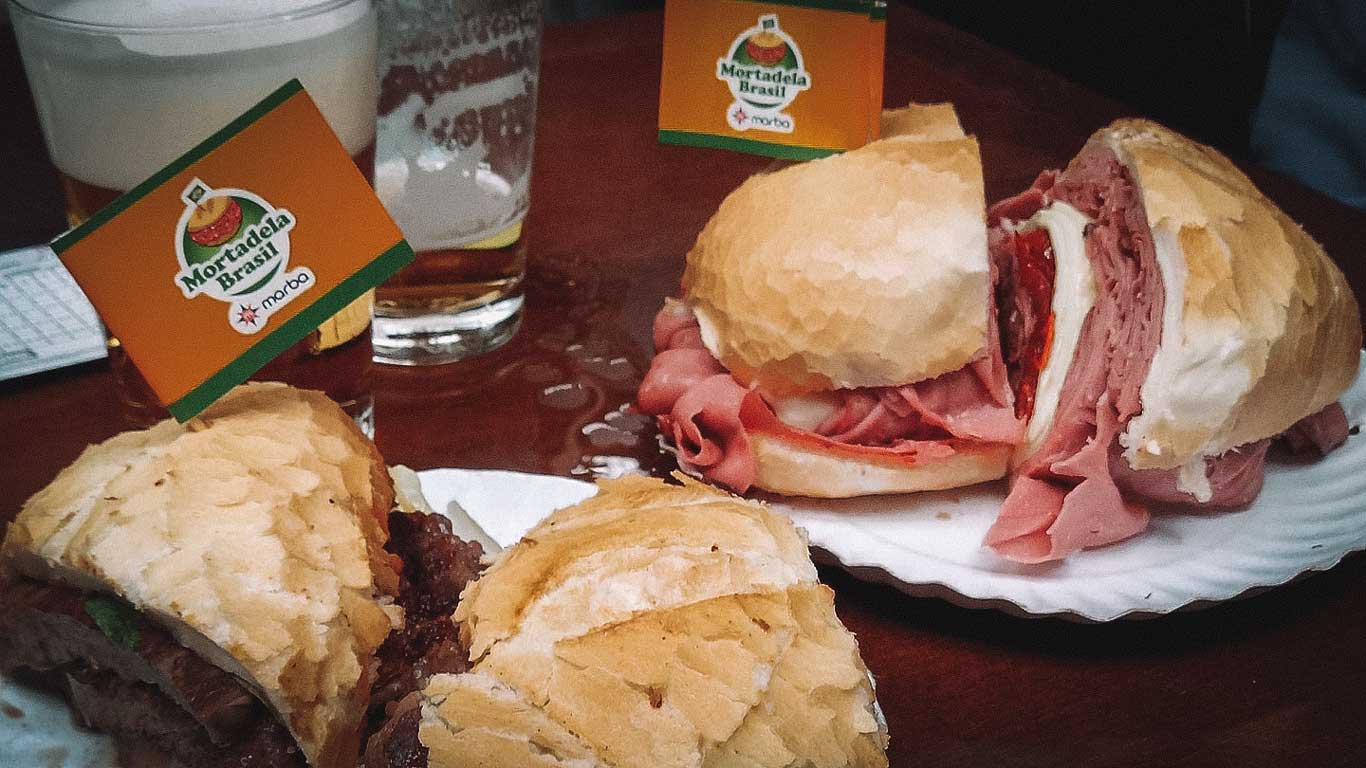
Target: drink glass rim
x=294 y=14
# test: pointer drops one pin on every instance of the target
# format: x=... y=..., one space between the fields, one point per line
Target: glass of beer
x=457 y=119
x=123 y=87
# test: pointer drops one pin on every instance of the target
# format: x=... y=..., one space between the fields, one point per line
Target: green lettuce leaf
x=116 y=619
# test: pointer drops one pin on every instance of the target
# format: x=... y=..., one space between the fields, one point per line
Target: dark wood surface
x=1272 y=680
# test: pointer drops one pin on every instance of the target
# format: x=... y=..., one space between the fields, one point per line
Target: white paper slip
x=45 y=320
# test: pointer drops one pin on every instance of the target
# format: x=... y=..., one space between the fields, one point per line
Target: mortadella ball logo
x=233 y=246
x=764 y=71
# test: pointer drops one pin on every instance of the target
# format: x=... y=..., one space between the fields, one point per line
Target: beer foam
x=441 y=197
x=118 y=104
x=189 y=27
x=445 y=193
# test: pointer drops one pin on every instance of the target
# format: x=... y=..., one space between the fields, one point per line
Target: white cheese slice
x=1196 y=376
x=805 y=411
x=1074 y=294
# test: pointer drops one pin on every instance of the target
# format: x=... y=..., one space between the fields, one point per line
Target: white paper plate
x=1307 y=518
x=36 y=729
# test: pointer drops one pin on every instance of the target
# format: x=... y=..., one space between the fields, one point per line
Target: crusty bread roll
x=1256 y=314
x=927 y=122
x=868 y=269
x=255 y=536
x=858 y=270
x=654 y=625
x=798 y=468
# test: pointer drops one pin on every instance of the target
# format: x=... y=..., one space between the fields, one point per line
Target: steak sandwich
x=231 y=593
x=652 y=626
x=837 y=333
x=1163 y=321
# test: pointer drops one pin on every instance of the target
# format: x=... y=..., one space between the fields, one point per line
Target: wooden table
x=1273 y=680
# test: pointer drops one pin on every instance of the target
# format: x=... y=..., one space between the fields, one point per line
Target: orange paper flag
x=235 y=251
x=794 y=79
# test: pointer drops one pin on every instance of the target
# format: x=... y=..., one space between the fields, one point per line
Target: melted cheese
x=804 y=411
x=1196 y=377
x=1074 y=294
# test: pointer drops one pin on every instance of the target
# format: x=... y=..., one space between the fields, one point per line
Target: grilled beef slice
x=143 y=688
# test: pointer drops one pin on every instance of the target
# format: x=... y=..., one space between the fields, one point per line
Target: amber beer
x=124 y=87
x=456 y=279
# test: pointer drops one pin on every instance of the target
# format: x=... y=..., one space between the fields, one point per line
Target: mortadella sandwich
x=1163 y=321
x=837 y=333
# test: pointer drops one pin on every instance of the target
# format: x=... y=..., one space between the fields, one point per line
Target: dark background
x=1197 y=65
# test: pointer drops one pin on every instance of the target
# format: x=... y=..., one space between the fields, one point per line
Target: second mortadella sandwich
x=837 y=334
x=1163 y=322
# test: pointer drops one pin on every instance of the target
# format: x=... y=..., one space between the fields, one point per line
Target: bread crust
x=863 y=269
x=793 y=468
x=927 y=122
x=256 y=537
x=1255 y=281
x=655 y=625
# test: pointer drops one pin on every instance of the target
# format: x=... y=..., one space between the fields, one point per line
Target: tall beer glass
x=457 y=121
x=123 y=87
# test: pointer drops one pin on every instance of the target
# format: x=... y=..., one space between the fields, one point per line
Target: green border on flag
x=293 y=329
x=848 y=6
x=123 y=202
x=753 y=147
